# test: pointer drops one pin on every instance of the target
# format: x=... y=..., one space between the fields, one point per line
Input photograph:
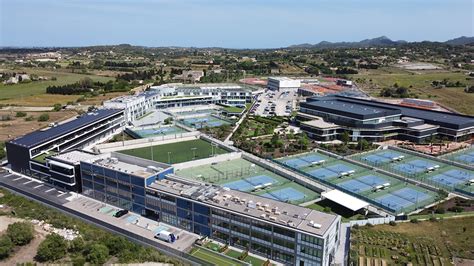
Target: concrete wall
x=383 y=220
x=140 y=143
x=207 y=161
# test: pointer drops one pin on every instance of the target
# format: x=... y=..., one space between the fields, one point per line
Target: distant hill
x=463 y=40
x=379 y=41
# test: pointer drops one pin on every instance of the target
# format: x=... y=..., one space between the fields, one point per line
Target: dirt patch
x=25 y=253
x=18 y=126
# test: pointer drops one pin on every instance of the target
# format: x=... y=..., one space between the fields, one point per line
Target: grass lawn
x=42 y=157
x=233 y=109
x=21 y=93
x=250 y=259
x=178 y=152
x=373 y=81
x=212 y=257
x=423 y=243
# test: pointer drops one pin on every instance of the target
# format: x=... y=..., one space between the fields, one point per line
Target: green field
x=213 y=258
x=16 y=91
x=422 y=243
x=177 y=152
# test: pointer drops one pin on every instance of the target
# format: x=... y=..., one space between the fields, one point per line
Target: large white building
x=283 y=84
x=179 y=95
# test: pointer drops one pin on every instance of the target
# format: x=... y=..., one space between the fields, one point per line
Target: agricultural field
x=420 y=243
x=419 y=82
x=18 y=126
x=34 y=92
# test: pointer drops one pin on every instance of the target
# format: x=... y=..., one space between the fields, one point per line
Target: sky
x=228 y=23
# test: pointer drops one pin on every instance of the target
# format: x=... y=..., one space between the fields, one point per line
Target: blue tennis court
x=411 y=194
x=389 y=154
x=408 y=168
x=354 y=186
x=322 y=173
x=371 y=180
x=296 y=163
x=421 y=163
x=240 y=185
x=260 y=180
x=446 y=180
x=459 y=174
x=285 y=194
x=376 y=159
x=468 y=158
x=339 y=168
x=393 y=202
x=312 y=158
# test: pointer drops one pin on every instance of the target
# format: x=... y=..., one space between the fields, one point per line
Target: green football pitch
x=177 y=152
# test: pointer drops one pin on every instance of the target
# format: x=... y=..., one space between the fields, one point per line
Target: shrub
x=20 y=114
x=440 y=210
x=433 y=219
x=76 y=245
x=57 y=107
x=52 y=248
x=6 y=246
x=369 y=225
x=97 y=254
x=21 y=233
x=456 y=209
x=43 y=117
x=355 y=226
x=327 y=209
x=392 y=223
x=29 y=118
x=415 y=221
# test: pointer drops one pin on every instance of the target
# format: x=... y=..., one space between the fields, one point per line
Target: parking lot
x=88 y=207
x=272 y=103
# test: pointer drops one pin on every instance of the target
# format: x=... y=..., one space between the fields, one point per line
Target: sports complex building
x=280 y=231
x=30 y=154
x=326 y=118
x=179 y=95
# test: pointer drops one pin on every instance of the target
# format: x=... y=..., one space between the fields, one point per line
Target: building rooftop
x=44 y=135
x=74 y=156
x=128 y=164
x=445 y=119
x=320 y=123
x=342 y=106
x=256 y=207
x=281 y=78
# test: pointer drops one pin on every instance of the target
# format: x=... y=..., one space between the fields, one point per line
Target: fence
x=207 y=161
x=374 y=221
x=140 y=143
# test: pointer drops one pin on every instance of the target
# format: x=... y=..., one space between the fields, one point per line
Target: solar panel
x=40 y=136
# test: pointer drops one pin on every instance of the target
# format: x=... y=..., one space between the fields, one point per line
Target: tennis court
x=354 y=186
x=372 y=180
x=155 y=131
x=453 y=177
x=205 y=121
x=465 y=156
x=380 y=157
x=394 y=202
x=305 y=160
x=240 y=174
x=177 y=152
x=285 y=194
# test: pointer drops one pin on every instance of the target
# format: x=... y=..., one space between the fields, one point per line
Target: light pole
x=151 y=148
x=169 y=160
x=194 y=152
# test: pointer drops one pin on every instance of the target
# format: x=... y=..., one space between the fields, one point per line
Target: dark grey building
x=325 y=118
x=29 y=154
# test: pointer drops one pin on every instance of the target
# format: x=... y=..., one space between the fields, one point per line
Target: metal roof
x=40 y=136
x=370 y=108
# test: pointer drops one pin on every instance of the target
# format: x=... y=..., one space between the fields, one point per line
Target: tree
x=303 y=141
x=345 y=137
x=116 y=244
x=57 y=107
x=20 y=114
x=97 y=254
x=76 y=245
x=168 y=120
x=52 y=248
x=21 y=233
x=363 y=144
x=6 y=246
x=43 y=118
